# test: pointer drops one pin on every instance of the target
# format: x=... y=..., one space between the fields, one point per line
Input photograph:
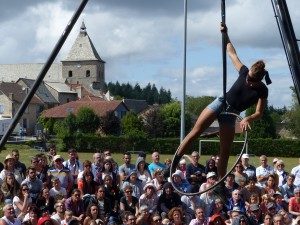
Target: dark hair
x=72 y=150
x=75 y=190
x=15 y=150
x=126 y=153
x=291 y=175
x=252 y=178
x=36 y=210
x=107 y=161
x=20 y=195
x=86 y=162
x=88 y=210
x=85 y=184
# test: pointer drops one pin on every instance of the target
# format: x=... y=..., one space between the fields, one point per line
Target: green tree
x=172 y=119
x=153 y=123
x=293 y=116
x=110 y=124
x=264 y=127
x=196 y=105
x=130 y=123
x=277 y=114
x=66 y=131
x=87 y=120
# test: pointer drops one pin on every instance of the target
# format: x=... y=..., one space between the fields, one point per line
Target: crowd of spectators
x=57 y=191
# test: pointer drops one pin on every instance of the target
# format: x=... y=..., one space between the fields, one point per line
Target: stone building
x=81 y=73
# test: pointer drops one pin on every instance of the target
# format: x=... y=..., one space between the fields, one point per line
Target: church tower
x=83 y=64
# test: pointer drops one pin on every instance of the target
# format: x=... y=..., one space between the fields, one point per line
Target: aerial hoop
x=223 y=178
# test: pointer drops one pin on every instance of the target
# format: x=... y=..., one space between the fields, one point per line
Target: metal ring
x=223 y=178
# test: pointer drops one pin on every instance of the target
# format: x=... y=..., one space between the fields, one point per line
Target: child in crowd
x=57 y=192
x=67 y=217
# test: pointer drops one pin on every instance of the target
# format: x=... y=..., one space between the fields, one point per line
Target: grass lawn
x=26 y=153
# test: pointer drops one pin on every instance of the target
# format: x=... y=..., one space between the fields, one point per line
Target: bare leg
x=205 y=119
x=226 y=139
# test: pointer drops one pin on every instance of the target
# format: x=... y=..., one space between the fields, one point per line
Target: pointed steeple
x=83 y=29
x=83 y=48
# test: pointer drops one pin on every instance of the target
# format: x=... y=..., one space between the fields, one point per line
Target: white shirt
x=264 y=171
x=62 y=192
x=296 y=172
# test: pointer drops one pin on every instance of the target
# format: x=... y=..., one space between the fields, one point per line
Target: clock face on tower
x=78 y=65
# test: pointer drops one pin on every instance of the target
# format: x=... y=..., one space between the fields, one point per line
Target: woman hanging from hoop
x=247 y=90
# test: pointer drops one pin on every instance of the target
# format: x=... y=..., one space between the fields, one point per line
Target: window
x=70 y=73
x=70 y=109
x=88 y=73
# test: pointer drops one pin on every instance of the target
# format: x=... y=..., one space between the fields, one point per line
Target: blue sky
x=142 y=41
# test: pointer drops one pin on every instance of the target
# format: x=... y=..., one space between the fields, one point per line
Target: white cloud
x=142 y=41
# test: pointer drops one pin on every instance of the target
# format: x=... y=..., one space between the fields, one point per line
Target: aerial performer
x=247 y=90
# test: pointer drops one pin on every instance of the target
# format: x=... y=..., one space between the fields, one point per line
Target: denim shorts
x=217 y=107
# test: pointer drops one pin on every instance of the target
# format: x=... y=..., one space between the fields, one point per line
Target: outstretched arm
x=261 y=104
x=231 y=50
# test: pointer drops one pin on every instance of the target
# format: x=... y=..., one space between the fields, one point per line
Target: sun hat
x=149 y=184
x=9 y=156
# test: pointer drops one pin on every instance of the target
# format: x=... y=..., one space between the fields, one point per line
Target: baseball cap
x=211 y=174
x=270 y=205
x=254 y=207
x=296 y=190
x=178 y=173
x=245 y=156
x=57 y=157
x=236 y=209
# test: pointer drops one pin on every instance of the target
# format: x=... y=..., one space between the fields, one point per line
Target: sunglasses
x=157 y=220
x=25 y=189
x=251 y=79
x=128 y=191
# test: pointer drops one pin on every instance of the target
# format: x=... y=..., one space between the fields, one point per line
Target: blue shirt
x=153 y=167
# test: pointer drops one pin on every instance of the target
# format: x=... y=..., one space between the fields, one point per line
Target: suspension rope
x=224 y=41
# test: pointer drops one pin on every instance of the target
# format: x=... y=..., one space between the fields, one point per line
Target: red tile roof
x=99 y=107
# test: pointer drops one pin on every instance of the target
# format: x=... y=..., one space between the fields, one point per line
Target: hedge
x=269 y=147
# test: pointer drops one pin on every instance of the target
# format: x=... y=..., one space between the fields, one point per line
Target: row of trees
x=159 y=121
x=149 y=93
x=165 y=121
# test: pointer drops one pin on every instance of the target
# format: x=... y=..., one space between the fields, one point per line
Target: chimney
x=11 y=96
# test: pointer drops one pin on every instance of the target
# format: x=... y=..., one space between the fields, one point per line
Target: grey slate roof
x=12 y=72
x=136 y=106
x=42 y=92
x=60 y=87
x=18 y=93
x=83 y=48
